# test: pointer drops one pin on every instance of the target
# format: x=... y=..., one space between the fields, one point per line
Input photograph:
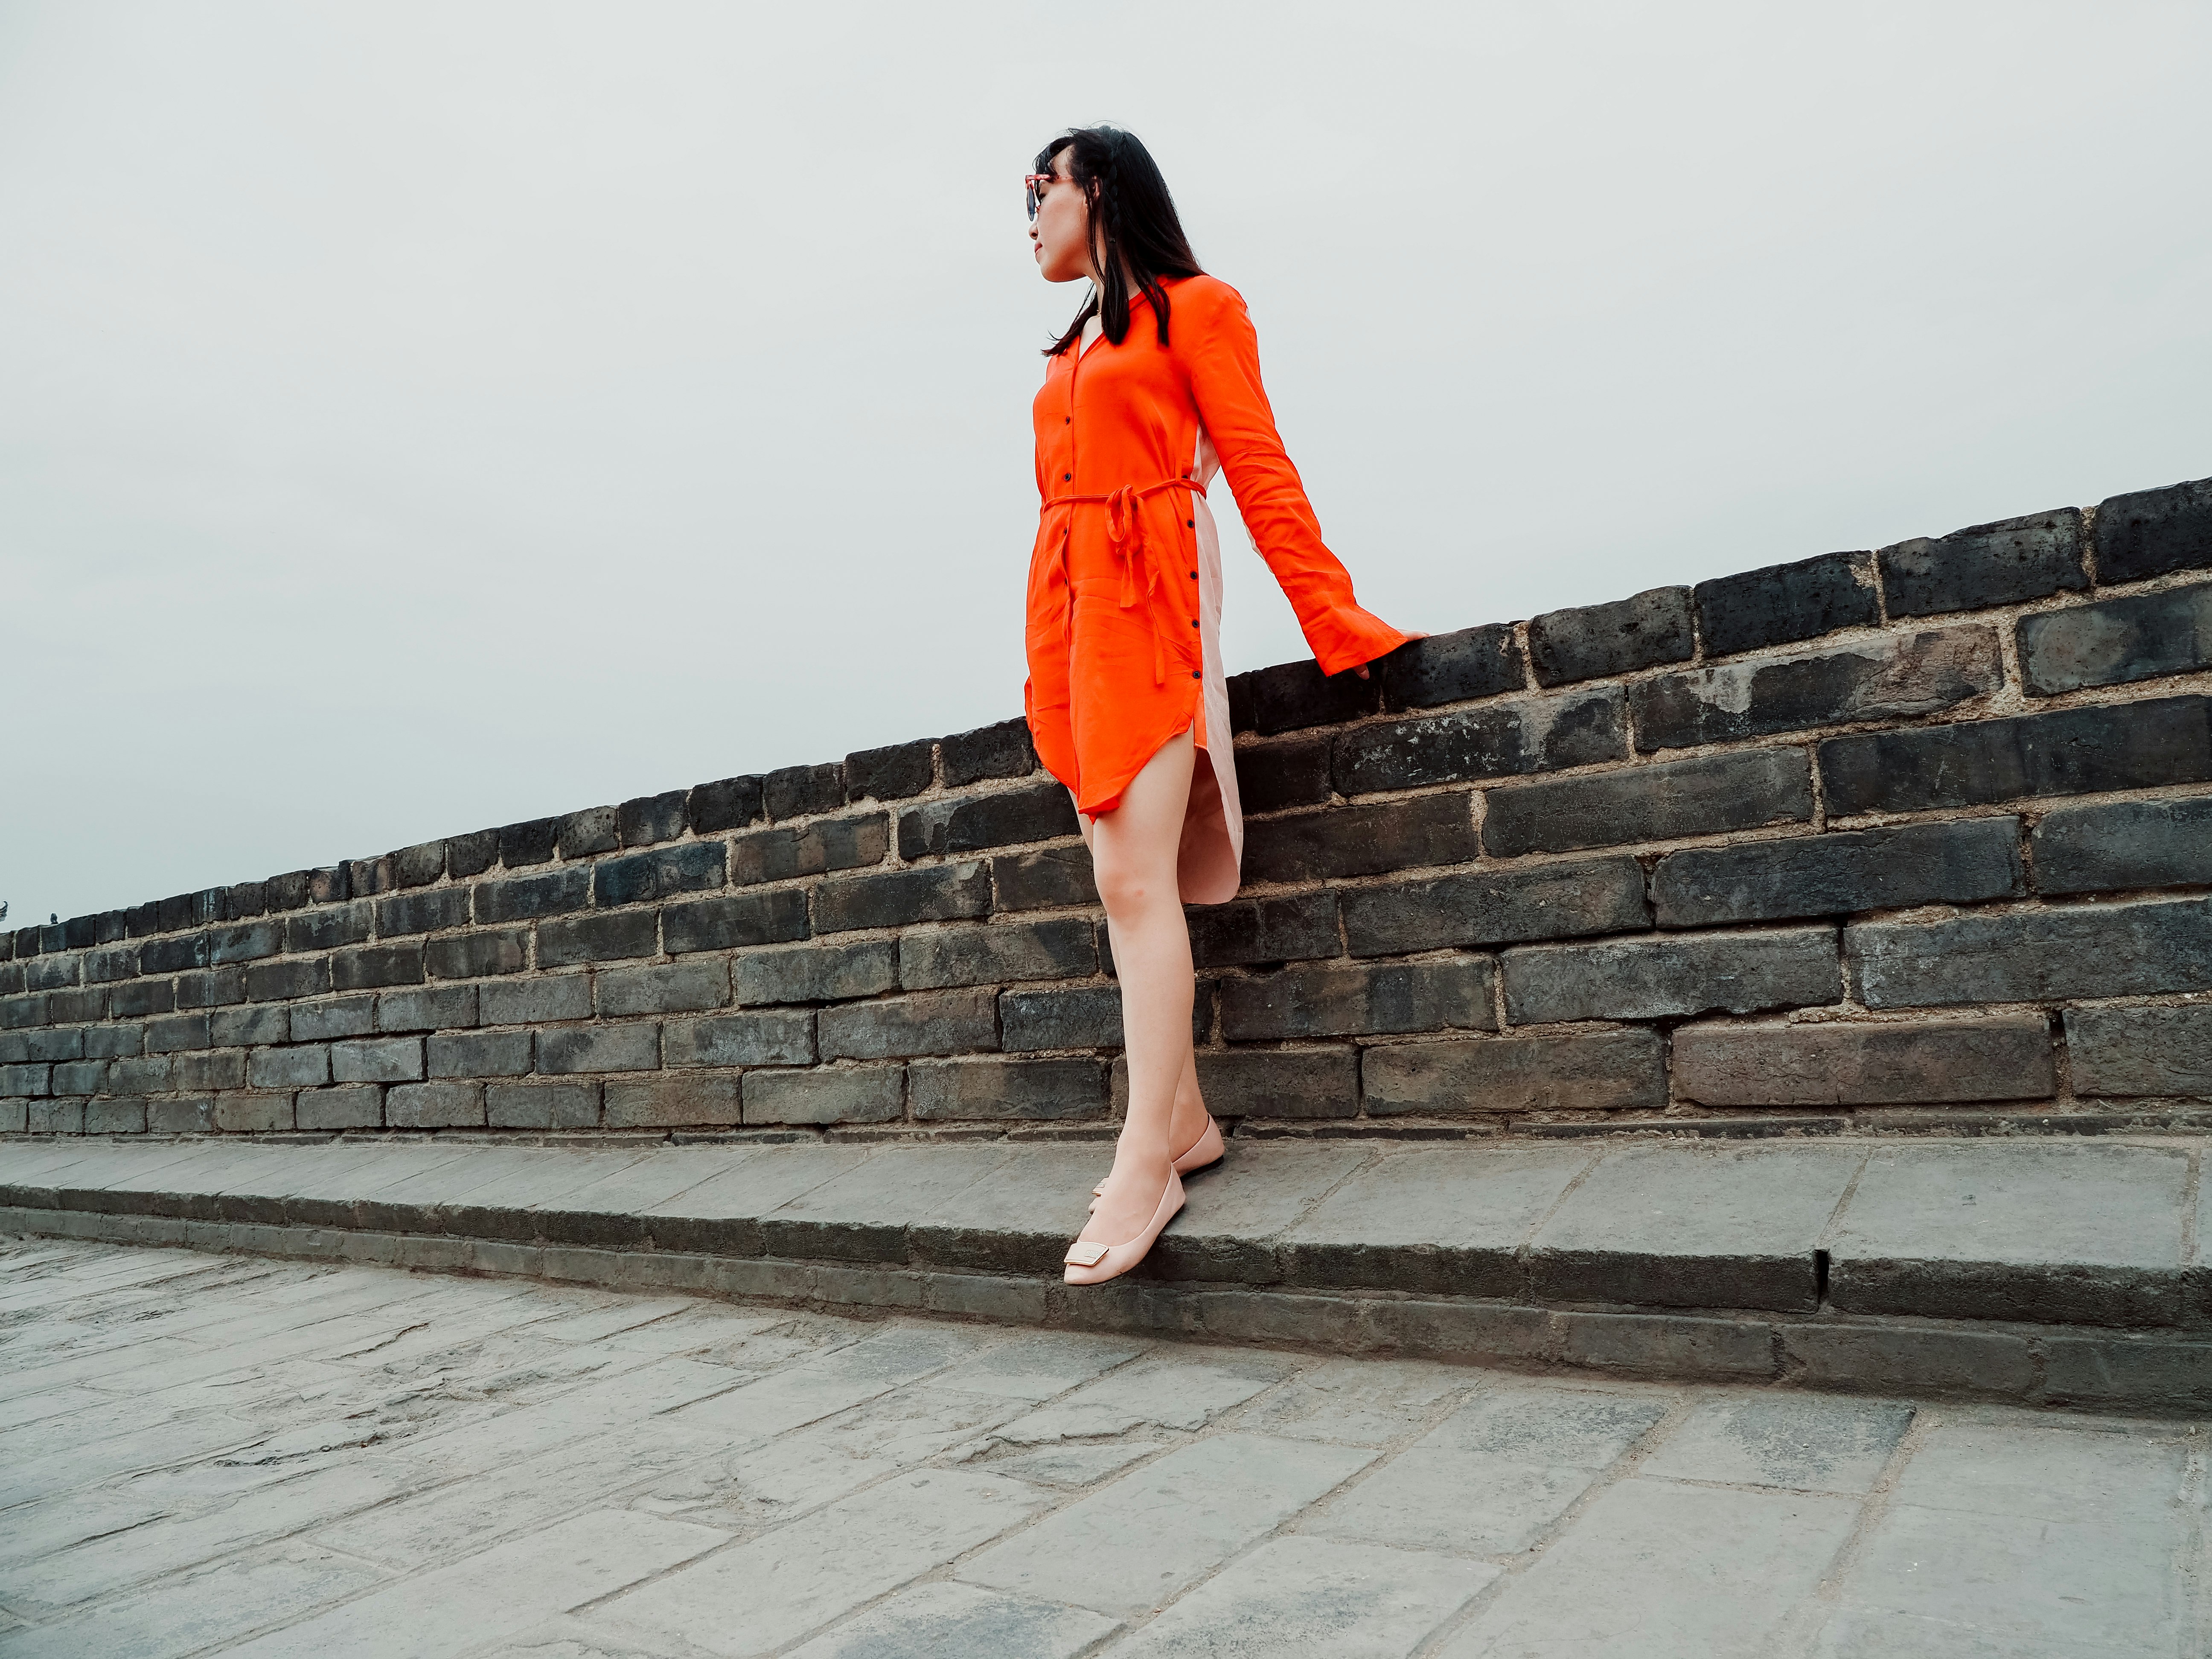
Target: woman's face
x=1060 y=232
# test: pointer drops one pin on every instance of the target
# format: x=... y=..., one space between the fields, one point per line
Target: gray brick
x=439 y=1008
x=1053 y=878
x=242 y=1027
x=1670 y=800
x=205 y=1071
x=1295 y=927
x=1782 y=604
x=992 y=953
x=2070 y=751
x=539 y=999
x=543 y=1105
x=435 y=909
x=252 y=1113
x=1003 y=751
x=957 y=825
x=1837 y=873
x=785 y=852
x=525 y=898
x=434 y=1106
x=1361 y=840
x=1081 y=1017
x=2008 y=1057
x=1505 y=739
x=815 y=973
x=85 y=1077
x=891 y=773
x=104 y=967
x=1356 y=999
x=1300 y=1083
x=20 y=1082
x=640 y=878
x=940 y=1022
x=366 y=967
x=793 y=791
x=64 y=1006
x=377 y=1059
x=1474 y=662
x=898 y=898
x=473 y=956
x=173 y=955
x=1274 y=777
x=740 y=920
x=176 y=1031
x=681 y=987
x=245 y=899
x=2138 y=949
x=300 y=1067
x=13 y=1115
x=568 y=1050
x=672 y=1100
x=1603 y=1072
x=521 y=845
x=1885 y=679
x=1670 y=976
x=365 y=877
x=2148 y=532
x=114 y=1042
x=593 y=830
x=1497 y=907
x=357 y=1106
x=2142 y=1051
x=1598 y=641
x=775 y=1037
x=997 y=1090
x=725 y=804
x=420 y=865
x=2114 y=846
x=14 y=1049
x=288 y=979
x=1294 y=695
x=328 y=926
x=215 y=987
x=865 y=1094
x=341 y=1017
x=468 y=855
x=51 y=973
x=480 y=1054
x=16 y=1012
x=2118 y=642
x=57 y=1117
x=52 y=1045
x=651 y=820
x=181 y=1117
x=1986 y=564
x=114 y=1117
x=598 y=939
x=146 y=1076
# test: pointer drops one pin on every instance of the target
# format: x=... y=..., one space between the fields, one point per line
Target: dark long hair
x=1134 y=231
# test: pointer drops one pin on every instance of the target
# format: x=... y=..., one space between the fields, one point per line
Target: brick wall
x=1899 y=837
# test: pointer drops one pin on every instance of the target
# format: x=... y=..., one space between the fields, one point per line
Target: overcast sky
x=415 y=418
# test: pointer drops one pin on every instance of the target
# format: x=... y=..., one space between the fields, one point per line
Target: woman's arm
x=1213 y=335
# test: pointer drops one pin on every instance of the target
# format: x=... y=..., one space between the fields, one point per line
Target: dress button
x=1196 y=675
x=1193 y=575
x=1067 y=477
x=1190 y=523
x=1194 y=622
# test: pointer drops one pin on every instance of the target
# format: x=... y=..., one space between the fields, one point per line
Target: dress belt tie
x=1126 y=538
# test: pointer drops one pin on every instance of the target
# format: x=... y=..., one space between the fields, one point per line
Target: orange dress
x=1124 y=612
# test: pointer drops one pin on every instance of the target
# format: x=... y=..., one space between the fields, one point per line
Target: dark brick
x=341 y=1017
x=1053 y=877
x=46 y=972
x=592 y=831
x=114 y=1042
x=108 y=927
x=891 y=773
x=287 y=892
x=252 y=1114
x=331 y=885
x=785 y=852
x=1670 y=976
x=479 y=1054
x=176 y=915
x=115 y=1117
x=2118 y=642
x=234 y=1028
x=651 y=820
x=1898 y=675
x=471 y=854
x=543 y=1105
x=772 y=1036
x=244 y=899
x=146 y=1076
x=641 y=878
x=180 y=1116
x=677 y=988
x=976 y=824
x=630 y=1047
x=287 y=978
x=2112 y=846
x=2119 y=1053
x=366 y=877
x=1985 y=564
x=1361 y=840
x=859 y=1094
x=1474 y=662
x=435 y=1008
x=994 y=953
x=366 y=967
x=1355 y=999
x=327 y=927
x=1295 y=927
x=17 y=1013
x=1782 y=603
x=939 y=1023
x=1291 y=695
x=434 y=1106
x=598 y=938
x=1840 y=873
x=356 y=1106
x=2140 y=949
x=29 y=1082
x=743 y=919
x=1840 y=1064
x=894 y=898
x=541 y=998
x=377 y=1059
x=66 y=1007
x=1086 y=1017
x=521 y=898
x=27 y=941
x=1596 y=641
x=1603 y=1072
x=815 y=973
x=1300 y=1083
x=436 y=910
x=1708 y=795
x=145 y=996
x=206 y=1072
x=1003 y=751
x=687 y=1099
x=471 y=955
x=216 y=988
x=114 y=963
x=11 y=977
x=289 y=1068
x=79 y=932
x=1535 y=734
x=1271 y=777
x=992 y=1089
x=174 y=955
x=791 y=792
x=725 y=804
x=83 y=1077
x=139 y=921
x=48 y=1046
x=420 y=865
x=2148 y=532
x=524 y=844
x=2068 y=751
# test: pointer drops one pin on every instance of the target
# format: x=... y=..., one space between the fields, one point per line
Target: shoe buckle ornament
x=1080 y=1254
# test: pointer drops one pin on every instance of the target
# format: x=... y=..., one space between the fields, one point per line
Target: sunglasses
x=1032 y=186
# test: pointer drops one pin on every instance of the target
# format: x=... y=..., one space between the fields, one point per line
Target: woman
x=1153 y=388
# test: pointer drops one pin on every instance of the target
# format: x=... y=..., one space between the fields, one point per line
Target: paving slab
x=609 y=1212
x=816 y=1388
x=1801 y=1443
x=1020 y=1225
x=1232 y=1215
x=1168 y=1391
x=723 y=1216
x=1361 y=1402
x=507 y=1207
x=2051 y=1232
x=862 y=1214
x=954 y=1619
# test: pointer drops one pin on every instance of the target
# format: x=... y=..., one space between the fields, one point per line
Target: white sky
x=419 y=418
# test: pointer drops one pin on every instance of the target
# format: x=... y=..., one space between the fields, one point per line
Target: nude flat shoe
x=1089 y=1263
x=1201 y=1155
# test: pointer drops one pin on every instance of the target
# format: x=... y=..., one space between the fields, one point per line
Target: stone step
x=2047 y=1272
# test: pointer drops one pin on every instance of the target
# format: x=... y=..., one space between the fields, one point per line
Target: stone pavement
x=204 y=1454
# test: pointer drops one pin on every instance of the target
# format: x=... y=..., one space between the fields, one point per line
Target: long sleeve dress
x=1124 y=611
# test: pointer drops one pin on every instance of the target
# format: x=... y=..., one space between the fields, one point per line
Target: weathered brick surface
x=338 y=1016
x=2118 y=641
x=837 y=1094
x=1053 y=877
x=672 y=1100
x=1710 y=795
x=1272 y=777
x=815 y=973
x=2156 y=1052
x=471 y=956
x=539 y=999
x=480 y=1054
x=2148 y=532
x=1295 y=1083
x=1472 y=662
x=568 y=1050
x=1605 y=1070
x=934 y=1022
x=898 y=898
x=2006 y=1058
x=1294 y=695
x=542 y=1105
x=1499 y=740
x=1968 y=862
x=678 y=987
x=651 y=820
x=1593 y=641
x=1003 y=751
x=741 y=919
x=977 y=824
x=525 y=898
x=785 y=852
x=579 y=834
x=2001 y=564
x=2115 y=845
x=1497 y=907
x=794 y=791
x=996 y=1089
x=1292 y=928
x=726 y=804
x=376 y=1059
x=1671 y=976
x=770 y=1036
x=355 y=1106
x=1782 y=603
x=1361 y=840
x=434 y=1008
x=993 y=953
x=433 y=910
x=1359 y=998
x=891 y=773
x=640 y=878
x=434 y=1106
x=2143 y=948
x=598 y=938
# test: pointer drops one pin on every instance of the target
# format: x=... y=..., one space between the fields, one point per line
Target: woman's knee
x=1125 y=889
